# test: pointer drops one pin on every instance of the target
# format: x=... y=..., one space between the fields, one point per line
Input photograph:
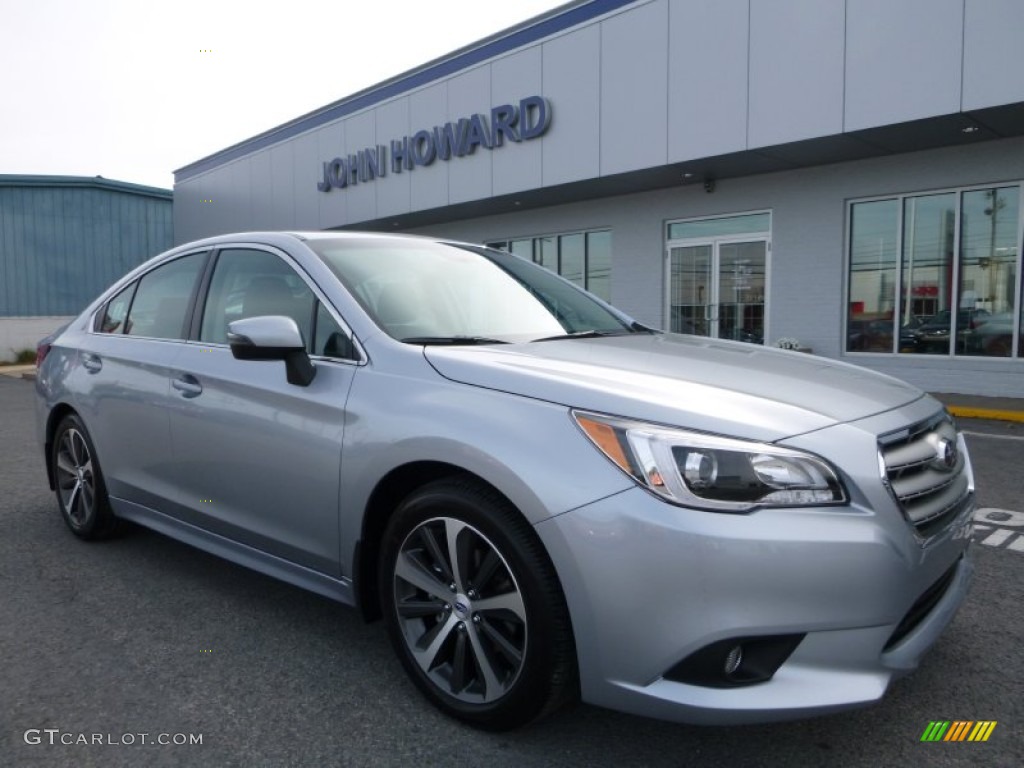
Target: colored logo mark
x=958 y=730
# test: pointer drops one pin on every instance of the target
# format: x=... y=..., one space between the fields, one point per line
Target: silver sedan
x=543 y=499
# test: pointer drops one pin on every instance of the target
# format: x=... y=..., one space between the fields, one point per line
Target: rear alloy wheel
x=473 y=607
x=81 y=493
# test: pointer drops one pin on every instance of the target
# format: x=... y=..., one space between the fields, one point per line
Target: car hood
x=688 y=381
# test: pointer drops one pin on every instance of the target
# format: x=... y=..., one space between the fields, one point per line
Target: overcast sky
x=133 y=89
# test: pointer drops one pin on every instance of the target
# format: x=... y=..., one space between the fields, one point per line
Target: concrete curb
x=18 y=371
x=970 y=412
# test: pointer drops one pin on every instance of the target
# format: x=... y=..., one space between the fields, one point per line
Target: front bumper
x=648 y=584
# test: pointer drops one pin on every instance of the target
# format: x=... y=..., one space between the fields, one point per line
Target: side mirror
x=272 y=337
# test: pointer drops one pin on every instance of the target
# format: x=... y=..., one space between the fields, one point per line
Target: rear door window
x=161 y=302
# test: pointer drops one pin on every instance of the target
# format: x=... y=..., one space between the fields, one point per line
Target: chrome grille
x=928 y=485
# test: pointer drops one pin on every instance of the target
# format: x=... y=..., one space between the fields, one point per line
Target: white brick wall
x=18 y=333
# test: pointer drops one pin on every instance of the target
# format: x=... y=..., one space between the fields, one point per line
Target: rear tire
x=81 y=492
x=473 y=607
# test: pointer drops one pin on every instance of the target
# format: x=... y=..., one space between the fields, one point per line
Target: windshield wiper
x=466 y=341
x=591 y=334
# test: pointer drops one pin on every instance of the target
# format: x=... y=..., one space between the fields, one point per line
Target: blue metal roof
x=556 y=20
x=95 y=182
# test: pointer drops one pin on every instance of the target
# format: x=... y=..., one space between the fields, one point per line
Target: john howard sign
x=509 y=122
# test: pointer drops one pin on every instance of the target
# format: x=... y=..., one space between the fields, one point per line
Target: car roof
x=277 y=236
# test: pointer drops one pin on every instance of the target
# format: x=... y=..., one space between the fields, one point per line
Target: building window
x=937 y=273
x=584 y=258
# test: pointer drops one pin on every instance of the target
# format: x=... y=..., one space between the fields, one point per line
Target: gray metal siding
x=428 y=107
x=796 y=78
x=993 y=53
x=634 y=88
x=469 y=178
x=513 y=77
x=643 y=85
x=707 y=113
x=571 y=150
x=61 y=246
x=903 y=60
x=395 y=196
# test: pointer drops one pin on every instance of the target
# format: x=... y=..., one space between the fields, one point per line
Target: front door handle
x=188 y=385
x=91 y=362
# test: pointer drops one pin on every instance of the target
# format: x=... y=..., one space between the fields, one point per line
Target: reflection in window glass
x=330 y=340
x=956 y=296
x=548 y=253
x=161 y=300
x=572 y=253
x=741 y=273
x=750 y=223
x=988 y=272
x=929 y=224
x=599 y=264
x=116 y=311
x=690 y=290
x=250 y=283
x=873 y=251
x=585 y=258
x=522 y=248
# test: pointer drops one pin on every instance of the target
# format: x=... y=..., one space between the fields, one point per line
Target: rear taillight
x=42 y=350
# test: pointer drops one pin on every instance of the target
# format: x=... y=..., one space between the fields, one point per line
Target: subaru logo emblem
x=946 y=455
x=461 y=608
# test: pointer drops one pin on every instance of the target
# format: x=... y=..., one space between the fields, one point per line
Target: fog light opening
x=736 y=661
x=733 y=660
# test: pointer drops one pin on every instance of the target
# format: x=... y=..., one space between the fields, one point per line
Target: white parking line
x=997 y=537
x=1001 y=526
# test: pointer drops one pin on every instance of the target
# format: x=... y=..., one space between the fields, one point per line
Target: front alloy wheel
x=474 y=608
x=460 y=610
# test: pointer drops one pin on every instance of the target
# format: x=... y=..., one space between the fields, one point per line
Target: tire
x=487 y=640
x=81 y=492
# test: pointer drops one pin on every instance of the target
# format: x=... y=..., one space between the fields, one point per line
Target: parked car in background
x=932 y=336
x=543 y=498
x=875 y=335
x=992 y=335
x=869 y=335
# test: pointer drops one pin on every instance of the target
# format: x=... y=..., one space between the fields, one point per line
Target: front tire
x=474 y=608
x=81 y=492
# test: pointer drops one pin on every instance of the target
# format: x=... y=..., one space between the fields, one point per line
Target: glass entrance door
x=717 y=289
x=691 y=290
x=741 y=268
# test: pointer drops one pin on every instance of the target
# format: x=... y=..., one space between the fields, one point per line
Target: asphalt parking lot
x=143 y=635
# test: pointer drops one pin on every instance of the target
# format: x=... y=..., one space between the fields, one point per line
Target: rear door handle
x=188 y=385
x=91 y=362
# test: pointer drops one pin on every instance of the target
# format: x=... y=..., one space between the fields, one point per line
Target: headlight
x=710 y=472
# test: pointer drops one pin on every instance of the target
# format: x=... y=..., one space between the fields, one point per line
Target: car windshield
x=423 y=292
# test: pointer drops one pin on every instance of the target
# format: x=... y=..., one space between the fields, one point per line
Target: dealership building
x=843 y=173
